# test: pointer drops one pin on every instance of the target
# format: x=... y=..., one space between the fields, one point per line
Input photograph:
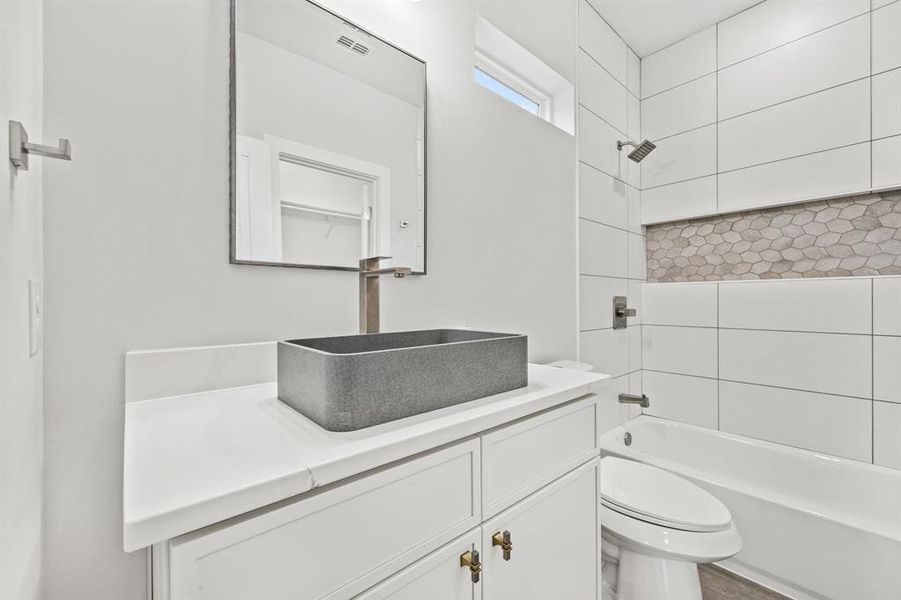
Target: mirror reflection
x=329 y=141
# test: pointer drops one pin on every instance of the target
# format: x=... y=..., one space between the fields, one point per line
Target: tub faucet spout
x=642 y=400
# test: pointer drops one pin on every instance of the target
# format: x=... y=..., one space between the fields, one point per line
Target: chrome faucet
x=642 y=400
x=369 y=290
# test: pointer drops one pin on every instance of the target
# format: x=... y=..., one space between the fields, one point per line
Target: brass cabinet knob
x=503 y=540
x=470 y=559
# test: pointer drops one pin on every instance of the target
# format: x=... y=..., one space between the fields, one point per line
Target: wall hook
x=20 y=147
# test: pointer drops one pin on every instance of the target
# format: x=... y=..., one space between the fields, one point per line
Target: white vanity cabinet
x=399 y=532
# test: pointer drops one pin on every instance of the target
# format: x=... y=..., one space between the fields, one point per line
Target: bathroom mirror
x=327 y=141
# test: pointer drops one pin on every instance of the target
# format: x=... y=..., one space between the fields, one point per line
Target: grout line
x=730 y=65
x=769 y=162
x=872 y=367
x=716 y=112
x=587 y=164
x=801 y=331
x=793 y=98
x=768 y=106
x=790 y=42
x=625 y=86
x=691 y=34
x=618 y=130
x=766 y=385
x=663 y=138
x=871 y=93
x=615 y=32
x=641 y=235
x=718 y=380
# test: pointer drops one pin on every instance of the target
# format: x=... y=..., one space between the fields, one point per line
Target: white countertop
x=198 y=459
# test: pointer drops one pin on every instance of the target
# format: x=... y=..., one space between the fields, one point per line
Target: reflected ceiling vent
x=352 y=45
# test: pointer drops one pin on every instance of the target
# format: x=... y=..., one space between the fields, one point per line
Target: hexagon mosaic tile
x=858 y=235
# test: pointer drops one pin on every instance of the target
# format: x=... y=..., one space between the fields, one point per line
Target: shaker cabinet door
x=553 y=546
x=438 y=576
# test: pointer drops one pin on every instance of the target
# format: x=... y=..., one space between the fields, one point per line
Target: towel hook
x=20 y=147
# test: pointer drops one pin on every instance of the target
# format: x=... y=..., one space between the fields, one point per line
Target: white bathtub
x=814 y=526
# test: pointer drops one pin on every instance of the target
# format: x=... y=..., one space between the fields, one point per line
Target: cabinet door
x=556 y=543
x=438 y=576
x=335 y=543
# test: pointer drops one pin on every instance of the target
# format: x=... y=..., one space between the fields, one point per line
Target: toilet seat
x=659 y=497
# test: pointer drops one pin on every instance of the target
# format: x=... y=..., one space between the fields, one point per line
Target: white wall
x=137 y=228
x=21 y=258
x=611 y=239
x=773 y=106
x=811 y=363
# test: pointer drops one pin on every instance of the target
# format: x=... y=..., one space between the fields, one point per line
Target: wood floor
x=719 y=584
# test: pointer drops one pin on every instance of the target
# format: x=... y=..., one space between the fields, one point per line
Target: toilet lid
x=657 y=496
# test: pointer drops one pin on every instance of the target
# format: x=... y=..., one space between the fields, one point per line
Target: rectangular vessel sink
x=356 y=381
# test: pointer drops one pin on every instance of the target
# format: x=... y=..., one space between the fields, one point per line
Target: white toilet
x=657 y=527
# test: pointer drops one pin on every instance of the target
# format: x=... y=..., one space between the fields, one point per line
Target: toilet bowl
x=657 y=527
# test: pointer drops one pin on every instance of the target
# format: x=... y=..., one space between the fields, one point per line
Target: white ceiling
x=649 y=25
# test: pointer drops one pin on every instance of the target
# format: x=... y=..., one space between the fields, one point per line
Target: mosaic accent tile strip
x=858 y=235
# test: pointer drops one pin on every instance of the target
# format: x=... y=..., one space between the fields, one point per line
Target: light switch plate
x=36 y=315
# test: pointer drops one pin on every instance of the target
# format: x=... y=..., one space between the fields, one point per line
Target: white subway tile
x=819 y=362
x=829 y=305
x=597 y=146
x=602 y=250
x=886 y=41
x=887 y=163
x=831 y=57
x=683 y=61
x=681 y=398
x=596 y=300
x=836 y=425
x=828 y=119
x=607 y=350
x=602 y=94
x=634 y=78
x=603 y=44
x=838 y=172
x=682 y=108
x=771 y=24
x=887 y=104
x=887 y=306
x=683 y=350
x=887 y=368
x=603 y=198
x=887 y=434
x=610 y=413
x=687 y=304
x=692 y=198
x=680 y=157
x=638 y=260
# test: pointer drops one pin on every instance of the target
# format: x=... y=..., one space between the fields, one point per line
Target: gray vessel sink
x=352 y=382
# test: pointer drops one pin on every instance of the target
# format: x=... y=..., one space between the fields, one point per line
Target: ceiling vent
x=352 y=45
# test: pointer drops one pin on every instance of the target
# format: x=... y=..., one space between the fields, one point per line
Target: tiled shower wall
x=611 y=241
x=787 y=101
x=811 y=363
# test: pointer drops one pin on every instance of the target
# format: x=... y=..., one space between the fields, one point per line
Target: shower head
x=641 y=150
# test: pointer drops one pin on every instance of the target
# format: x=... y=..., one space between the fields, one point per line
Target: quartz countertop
x=197 y=459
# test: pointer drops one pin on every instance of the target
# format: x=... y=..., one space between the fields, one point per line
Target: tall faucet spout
x=369 y=290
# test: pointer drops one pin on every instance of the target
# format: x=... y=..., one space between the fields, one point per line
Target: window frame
x=509 y=78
